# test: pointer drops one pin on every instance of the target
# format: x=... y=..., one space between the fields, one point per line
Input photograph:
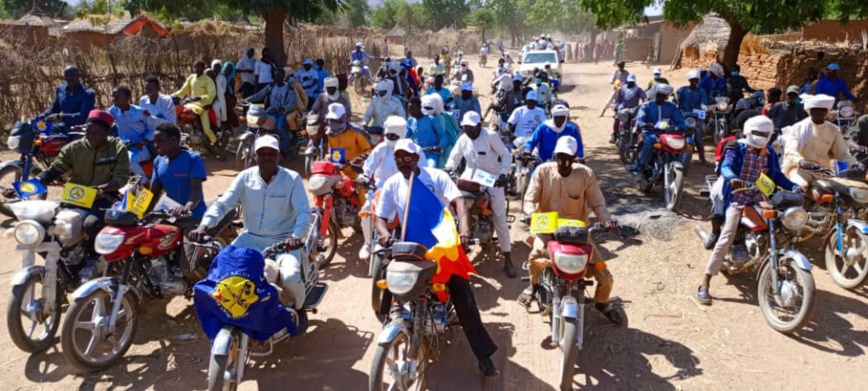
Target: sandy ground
x=671 y=343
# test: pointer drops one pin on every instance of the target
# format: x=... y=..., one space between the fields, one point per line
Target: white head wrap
x=395 y=125
x=692 y=75
x=716 y=69
x=759 y=123
x=664 y=89
x=818 y=101
x=558 y=111
x=384 y=85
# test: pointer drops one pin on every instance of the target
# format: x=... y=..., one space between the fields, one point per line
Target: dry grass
x=753 y=45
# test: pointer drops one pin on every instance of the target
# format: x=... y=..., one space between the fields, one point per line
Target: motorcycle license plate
x=544 y=223
x=78 y=195
x=356 y=69
x=699 y=114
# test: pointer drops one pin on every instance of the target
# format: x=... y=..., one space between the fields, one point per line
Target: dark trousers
x=247 y=89
x=468 y=315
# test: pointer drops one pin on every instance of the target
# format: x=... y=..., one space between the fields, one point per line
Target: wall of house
x=638 y=48
x=89 y=39
x=671 y=41
x=831 y=30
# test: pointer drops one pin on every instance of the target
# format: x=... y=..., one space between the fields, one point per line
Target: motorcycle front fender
x=569 y=307
x=220 y=347
x=796 y=257
x=11 y=163
x=677 y=165
x=247 y=137
x=24 y=274
x=390 y=331
x=109 y=284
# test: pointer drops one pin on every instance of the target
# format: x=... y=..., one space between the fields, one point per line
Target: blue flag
x=29 y=188
x=42 y=125
x=338 y=155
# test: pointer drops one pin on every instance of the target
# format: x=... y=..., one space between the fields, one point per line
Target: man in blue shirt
x=322 y=74
x=713 y=83
x=438 y=88
x=691 y=100
x=651 y=114
x=833 y=85
x=72 y=101
x=424 y=130
x=179 y=172
x=546 y=135
x=134 y=128
x=466 y=102
x=629 y=96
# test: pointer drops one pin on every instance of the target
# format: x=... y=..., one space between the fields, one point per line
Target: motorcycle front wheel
x=674 y=185
x=381 y=299
x=359 y=85
x=569 y=355
x=327 y=246
x=308 y=163
x=30 y=329
x=222 y=366
x=84 y=338
x=244 y=155
x=848 y=275
x=795 y=308
x=389 y=359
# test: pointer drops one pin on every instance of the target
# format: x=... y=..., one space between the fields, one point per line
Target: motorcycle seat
x=822 y=185
x=843 y=184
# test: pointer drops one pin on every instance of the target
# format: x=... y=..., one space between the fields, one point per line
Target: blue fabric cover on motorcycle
x=236 y=293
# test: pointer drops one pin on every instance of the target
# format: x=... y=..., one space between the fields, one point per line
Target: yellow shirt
x=354 y=144
x=201 y=86
x=572 y=196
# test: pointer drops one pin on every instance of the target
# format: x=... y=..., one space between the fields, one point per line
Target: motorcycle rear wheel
x=842 y=274
x=386 y=361
x=624 y=146
x=308 y=163
x=569 y=355
x=127 y=325
x=8 y=176
x=803 y=280
x=24 y=296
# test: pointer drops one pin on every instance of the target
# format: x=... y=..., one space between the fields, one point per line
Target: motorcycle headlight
x=400 y=283
x=29 y=233
x=794 y=217
x=107 y=243
x=571 y=263
x=721 y=106
x=675 y=143
x=845 y=112
x=859 y=195
x=13 y=142
x=316 y=182
x=691 y=122
x=623 y=117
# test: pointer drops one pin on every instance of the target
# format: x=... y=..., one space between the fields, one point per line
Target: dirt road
x=671 y=342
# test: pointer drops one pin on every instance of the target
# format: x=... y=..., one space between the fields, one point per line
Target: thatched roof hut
x=711 y=34
x=101 y=31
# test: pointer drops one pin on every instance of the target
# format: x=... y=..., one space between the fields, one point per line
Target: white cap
x=336 y=111
x=359 y=44
x=471 y=118
x=517 y=77
x=759 y=123
x=407 y=145
x=658 y=71
x=560 y=111
x=307 y=61
x=395 y=125
x=818 y=101
x=567 y=145
x=267 y=141
x=631 y=78
x=331 y=82
x=466 y=86
x=216 y=62
x=693 y=75
x=663 y=88
x=531 y=96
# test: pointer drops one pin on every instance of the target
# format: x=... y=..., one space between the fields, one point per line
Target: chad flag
x=430 y=224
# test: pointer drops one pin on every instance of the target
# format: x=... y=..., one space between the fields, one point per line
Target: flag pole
x=407 y=206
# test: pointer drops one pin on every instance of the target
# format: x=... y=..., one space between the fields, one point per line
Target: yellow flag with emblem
x=544 y=223
x=78 y=195
x=138 y=205
x=765 y=184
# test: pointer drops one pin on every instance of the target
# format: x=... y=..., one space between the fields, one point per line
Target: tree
x=443 y=13
x=411 y=16
x=357 y=12
x=483 y=19
x=510 y=16
x=17 y=8
x=566 y=16
x=743 y=16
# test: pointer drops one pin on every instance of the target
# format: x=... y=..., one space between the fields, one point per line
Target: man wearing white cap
x=331 y=95
x=482 y=149
x=743 y=164
x=276 y=210
x=384 y=105
x=690 y=99
x=360 y=55
x=308 y=78
x=713 y=83
x=466 y=102
x=658 y=79
x=282 y=101
x=349 y=137
x=548 y=134
x=525 y=119
x=569 y=188
x=650 y=116
x=628 y=97
x=809 y=144
x=393 y=201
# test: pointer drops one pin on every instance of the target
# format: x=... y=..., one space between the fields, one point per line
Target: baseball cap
x=336 y=111
x=793 y=90
x=517 y=77
x=833 y=67
x=531 y=96
x=307 y=61
x=631 y=78
x=658 y=71
x=101 y=116
x=471 y=118
x=567 y=145
x=466 y=86
x=407 y=145
x=267 y=141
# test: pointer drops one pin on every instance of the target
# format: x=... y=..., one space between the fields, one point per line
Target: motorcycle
x=476 y=196
x=336 y=200
x=38 y=147
x=665 y=165
x=418 y=323
x=231 y=351
x=359 y=77
x=785 y=291
x=192 y=134
x=258 y=124
x=562 y=295
x=144 y=256
x=625 y=137
x=519 y=173
x=845 y=115
x=720 y=111
x=316 y=147
x=38 y=292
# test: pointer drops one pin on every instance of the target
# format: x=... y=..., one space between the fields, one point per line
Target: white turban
x=560 y=110
x=431 y=101
x=759 y=123
x=664 y=89
x=395 y=125
x=818 y=101
x=716 y=69
x=216 y=62
x=692 y=75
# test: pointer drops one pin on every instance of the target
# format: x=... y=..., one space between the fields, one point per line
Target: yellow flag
x=765 y=184
x=571 y=223
x=78 y=195
x=544 y=223
x=138 y=205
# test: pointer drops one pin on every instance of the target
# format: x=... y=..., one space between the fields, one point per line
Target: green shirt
x=94 y=167
x=651 y=83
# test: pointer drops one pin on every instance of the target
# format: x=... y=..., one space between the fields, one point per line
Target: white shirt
x=247 y=64
x=263 y=73
x=163 y=108
x=380 y=164
x=378 y=110
x=526 y=120
x=486 y=153
x=393 y=199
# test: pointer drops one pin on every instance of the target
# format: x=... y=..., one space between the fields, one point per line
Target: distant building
x=102 y=31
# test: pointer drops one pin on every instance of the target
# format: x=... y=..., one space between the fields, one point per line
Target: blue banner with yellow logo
x=338 y=155
x=236 y=293
x=29 y=188
x=42 y=125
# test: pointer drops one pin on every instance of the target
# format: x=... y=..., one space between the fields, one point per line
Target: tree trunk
x=733 y=45
x=274 y=35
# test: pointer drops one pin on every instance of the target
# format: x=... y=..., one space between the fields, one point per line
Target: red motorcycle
x=144 y=256
x=665 y=165
x=336 y=201
x=192 y=134
x=561 y=292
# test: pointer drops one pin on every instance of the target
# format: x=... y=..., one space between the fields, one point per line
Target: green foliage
x=99 y=7
x=3 y=13
x=411 y=17
x=357 y=12
x=446 y=13
x=18 y=8
x=385 y=16
x=481 y=18
x=566 y=16
x=510 y=14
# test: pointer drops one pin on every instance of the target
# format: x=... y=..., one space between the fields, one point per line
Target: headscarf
x=430 y=101
x=230 y=66
x=384 y=85
x=664 y=89
x=716 y=69
x=217 y=62
x=818 y=102
x=558 y=111
x=759 y=123
x=395 y=125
